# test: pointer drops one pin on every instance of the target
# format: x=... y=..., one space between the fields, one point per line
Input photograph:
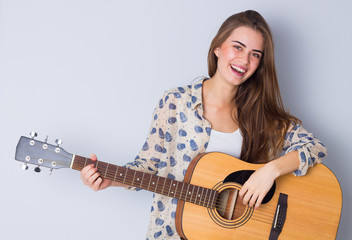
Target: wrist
x=274 y=168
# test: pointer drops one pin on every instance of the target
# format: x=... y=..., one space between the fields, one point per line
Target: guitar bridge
x=280 y=217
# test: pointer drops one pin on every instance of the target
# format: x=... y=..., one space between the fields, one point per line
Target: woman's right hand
x=91 y=177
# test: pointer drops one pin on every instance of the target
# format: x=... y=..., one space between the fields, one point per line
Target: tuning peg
x=58 y=142
x=24 y=166
x=46 y=139
x=37 y=169
x=33 y=134
x=51 y=171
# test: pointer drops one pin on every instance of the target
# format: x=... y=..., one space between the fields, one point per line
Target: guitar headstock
x=42 y=154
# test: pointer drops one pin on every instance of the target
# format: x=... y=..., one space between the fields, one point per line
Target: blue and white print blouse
x=178 y=133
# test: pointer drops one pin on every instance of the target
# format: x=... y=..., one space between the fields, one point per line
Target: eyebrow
x=255 y=50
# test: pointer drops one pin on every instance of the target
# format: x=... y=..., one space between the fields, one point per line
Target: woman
x=238 y=110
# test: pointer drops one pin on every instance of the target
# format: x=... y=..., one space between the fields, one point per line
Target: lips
x=238 y=70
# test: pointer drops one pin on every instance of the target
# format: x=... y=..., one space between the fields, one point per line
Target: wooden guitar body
x=313 y=204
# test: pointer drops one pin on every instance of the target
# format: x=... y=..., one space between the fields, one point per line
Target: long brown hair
x=261 y=116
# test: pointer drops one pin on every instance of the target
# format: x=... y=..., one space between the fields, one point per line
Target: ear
x=216 y=51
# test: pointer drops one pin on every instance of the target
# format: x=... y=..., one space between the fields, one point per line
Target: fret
x=96 y=165
x=85 y=163
x=153 y=183
x=124 y=179
x=117 y=168
x=205 y=197
x=107 y=166
x=195 y=200
x=176 y=189
x=167 y=186
x=142 y=180
x=157 y=182
x=149 y=182
x=192 y=193
x=133 y=178
x=187 y=191
x=209 y=198
x=183 y=184
x=213 y=203
x=162 y=190
x=138 y=179
x=120 y=174
x=200 y=199
x=170 y=188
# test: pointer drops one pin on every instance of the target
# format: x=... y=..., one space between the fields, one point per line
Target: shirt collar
x=197 y=93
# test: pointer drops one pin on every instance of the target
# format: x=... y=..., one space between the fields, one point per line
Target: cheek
x=255 y=64
x=226 y=54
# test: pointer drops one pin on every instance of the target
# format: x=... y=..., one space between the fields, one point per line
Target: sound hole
x=242 y=176
x=229 y=206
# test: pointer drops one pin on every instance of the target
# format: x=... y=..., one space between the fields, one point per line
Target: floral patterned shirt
x=178 y=133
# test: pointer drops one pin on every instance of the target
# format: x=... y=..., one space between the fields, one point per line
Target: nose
x=245 y=56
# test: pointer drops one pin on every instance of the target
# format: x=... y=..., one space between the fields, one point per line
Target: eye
x=238 y=47
x=256 y=55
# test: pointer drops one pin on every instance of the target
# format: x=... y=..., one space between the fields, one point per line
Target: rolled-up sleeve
x=310 y=149
x=149 y=156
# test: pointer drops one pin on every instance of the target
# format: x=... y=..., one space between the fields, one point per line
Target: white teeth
x=238 y=69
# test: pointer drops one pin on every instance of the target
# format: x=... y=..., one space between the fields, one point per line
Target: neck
x=161 y=185
x=219 y=93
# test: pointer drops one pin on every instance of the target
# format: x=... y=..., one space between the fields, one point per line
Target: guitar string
x=203 y=201
x=268 y=212
x=183 y=195
x=262 y=218
x=217 y=204
x=158 y=188
x=200 y=201
x=108 y=173
x=266 y=222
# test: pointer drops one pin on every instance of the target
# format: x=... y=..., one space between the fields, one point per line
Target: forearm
x=285 y=164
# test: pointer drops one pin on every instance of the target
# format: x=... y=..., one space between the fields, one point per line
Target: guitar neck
x=176 y=189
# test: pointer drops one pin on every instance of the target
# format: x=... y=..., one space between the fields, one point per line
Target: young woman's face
x=239 y=56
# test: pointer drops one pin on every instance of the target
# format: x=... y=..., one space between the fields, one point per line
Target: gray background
x=91 y=72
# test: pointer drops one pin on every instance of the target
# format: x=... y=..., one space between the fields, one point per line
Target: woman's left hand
x=257 y=186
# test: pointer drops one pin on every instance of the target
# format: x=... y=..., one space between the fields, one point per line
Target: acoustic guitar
x=307 y=207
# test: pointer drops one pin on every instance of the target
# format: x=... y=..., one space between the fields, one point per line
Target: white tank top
x=229 y=143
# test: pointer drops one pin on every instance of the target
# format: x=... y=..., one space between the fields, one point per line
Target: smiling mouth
x=238 y=69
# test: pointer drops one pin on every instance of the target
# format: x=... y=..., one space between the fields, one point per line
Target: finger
x=93 y=157
x=247 y=197
x=86 y=169
x=259 y=201
x=243 y=191
x=93 y=178
x=88 y=175
x=97 y=183
x=253 y=200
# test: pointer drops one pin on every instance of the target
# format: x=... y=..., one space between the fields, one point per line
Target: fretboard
x=172 y=188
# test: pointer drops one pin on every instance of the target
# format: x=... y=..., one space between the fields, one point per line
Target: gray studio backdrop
x=91 y=72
